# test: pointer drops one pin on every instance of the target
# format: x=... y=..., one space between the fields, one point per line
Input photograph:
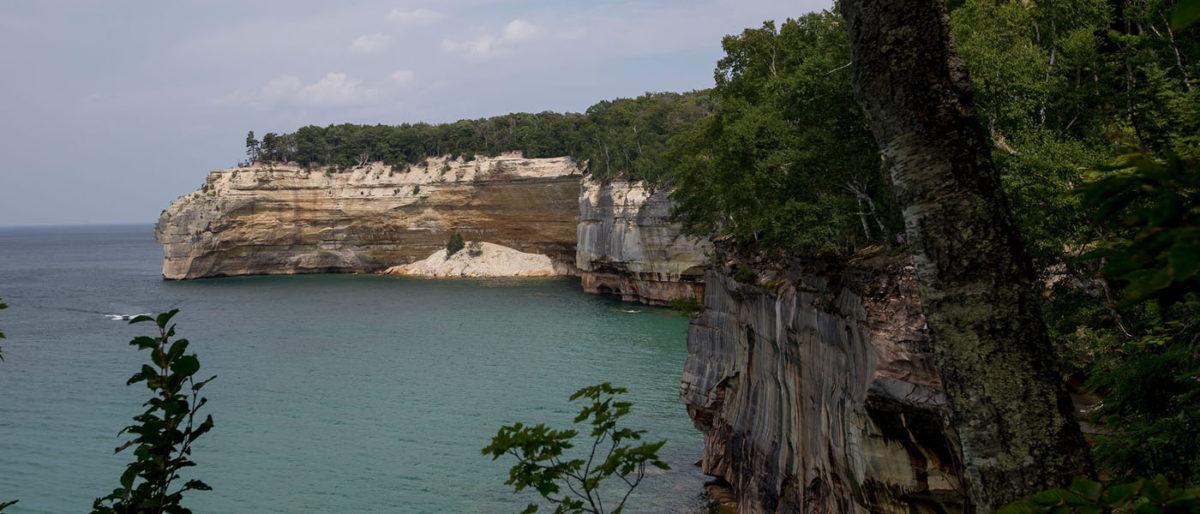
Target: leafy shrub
x=685 y=304
x=1144 y=496
x=745 y=275
x=543 y=466
x=475 y=248
x=454 y=244
x=164 y=433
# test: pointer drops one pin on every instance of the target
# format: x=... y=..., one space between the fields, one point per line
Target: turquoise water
x=335 y=393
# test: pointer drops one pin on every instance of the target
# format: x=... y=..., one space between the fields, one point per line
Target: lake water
x=335 y=393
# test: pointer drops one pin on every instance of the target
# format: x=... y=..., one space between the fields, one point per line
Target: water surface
x=335 y=393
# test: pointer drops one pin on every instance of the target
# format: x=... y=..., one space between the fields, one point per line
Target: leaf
x=1187 y=13
x=1119 y=493
x=165 y=318
x=1184 y=257
x=185 y=366
x=1087 y=488
x=128 y=476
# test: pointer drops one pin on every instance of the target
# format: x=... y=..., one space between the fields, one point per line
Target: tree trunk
x=1008 y=402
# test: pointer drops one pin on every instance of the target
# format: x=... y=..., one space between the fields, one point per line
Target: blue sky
x=112 y=109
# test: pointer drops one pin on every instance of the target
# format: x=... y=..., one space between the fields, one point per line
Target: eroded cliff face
x=627 y=245
x=283 y=219
x=820 y=395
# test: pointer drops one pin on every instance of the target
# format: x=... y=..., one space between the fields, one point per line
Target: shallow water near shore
x=335 y=393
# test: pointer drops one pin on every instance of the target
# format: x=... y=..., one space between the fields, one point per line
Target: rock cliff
x=284 y=219
x=819 y=394
x=627 y=245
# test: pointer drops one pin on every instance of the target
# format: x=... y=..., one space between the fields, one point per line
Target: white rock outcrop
x=493 y=260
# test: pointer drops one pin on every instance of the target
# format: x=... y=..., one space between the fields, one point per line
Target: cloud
x=402 y=77
x=370 y=43
x=414 y=16
x=479 y=46
x=513 y=34
x=332 y=90
x=519 y=30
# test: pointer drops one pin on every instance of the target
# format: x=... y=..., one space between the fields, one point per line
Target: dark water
x=335 y=393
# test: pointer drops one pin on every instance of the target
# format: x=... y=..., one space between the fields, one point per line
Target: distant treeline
x=618 y=137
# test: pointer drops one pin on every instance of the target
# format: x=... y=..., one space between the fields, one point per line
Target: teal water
x=335 y=393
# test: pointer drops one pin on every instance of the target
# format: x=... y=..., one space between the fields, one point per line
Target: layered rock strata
x=819 y=393
x=627 y=245
x=284 y=219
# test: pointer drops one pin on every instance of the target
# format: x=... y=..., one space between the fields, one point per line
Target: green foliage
x=1151 y=209
x=622 y=137
x=454 y=244
x=745 y=275
x=786 y=165
x=1187 y=13
x=1144 y=496
x=253 y=148
x=685 y=304
x=628 y=137
x=1158 y=205
x=164 y=433
x=543 y=463
x=475 y=248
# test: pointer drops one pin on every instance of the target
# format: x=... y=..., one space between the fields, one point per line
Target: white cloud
x=414 y=16
x=334 y=89
x=371 y=43
x=479 y=46
x=402 y=77
x=519 y=30
x=514 y=33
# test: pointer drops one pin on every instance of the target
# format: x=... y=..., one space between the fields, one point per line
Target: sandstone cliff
x=627 y=245
x=283 y=219
x=819 y=393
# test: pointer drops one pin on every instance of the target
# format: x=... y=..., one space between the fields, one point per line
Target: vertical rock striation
x=820 y=394
x=284 y=219
x=628 y=246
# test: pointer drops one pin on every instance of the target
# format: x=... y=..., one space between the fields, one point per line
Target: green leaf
x=165 y=318
x=1119 y=493
x=1187 y=13
x=1184 y=257
x=185 y=366
x=1087 y=488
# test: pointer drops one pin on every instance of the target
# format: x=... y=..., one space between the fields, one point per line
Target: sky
x=111 y=110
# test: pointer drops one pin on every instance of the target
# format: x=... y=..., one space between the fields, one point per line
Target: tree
x=1008 y=403
x=253 y=149
x=542 y=463
x=164 y=433
x=786 y=164
x=454 y=244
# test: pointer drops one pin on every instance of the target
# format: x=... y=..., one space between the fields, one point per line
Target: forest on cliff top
x=1092 y=112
